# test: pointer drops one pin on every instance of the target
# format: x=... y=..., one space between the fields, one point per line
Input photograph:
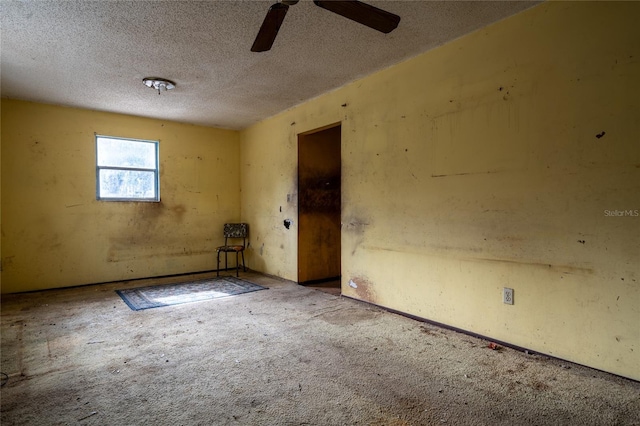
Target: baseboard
x=482 y=337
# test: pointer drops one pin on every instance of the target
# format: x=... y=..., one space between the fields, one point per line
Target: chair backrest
x=235 y=230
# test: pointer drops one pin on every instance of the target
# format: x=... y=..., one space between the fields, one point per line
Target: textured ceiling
x=94 y=54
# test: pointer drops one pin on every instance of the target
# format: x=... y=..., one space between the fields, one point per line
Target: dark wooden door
x=319 y=177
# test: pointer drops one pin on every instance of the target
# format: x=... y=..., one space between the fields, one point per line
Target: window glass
x=126 y=153
x=126 y=184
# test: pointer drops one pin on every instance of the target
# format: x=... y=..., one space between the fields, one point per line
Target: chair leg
x=226 y=263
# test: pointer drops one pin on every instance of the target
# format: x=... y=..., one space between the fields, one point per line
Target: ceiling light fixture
x=159 y=84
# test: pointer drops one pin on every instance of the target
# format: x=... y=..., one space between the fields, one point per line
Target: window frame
x=156 y=171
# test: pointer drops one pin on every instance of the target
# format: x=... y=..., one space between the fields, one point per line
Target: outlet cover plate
x=507 y=296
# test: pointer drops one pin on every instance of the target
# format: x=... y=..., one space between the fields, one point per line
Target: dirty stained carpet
x=288 y=356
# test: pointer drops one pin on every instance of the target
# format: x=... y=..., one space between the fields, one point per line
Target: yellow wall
x=55 y=233
x=489 y=162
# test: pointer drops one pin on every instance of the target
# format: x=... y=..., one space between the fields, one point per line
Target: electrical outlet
x=507 y=296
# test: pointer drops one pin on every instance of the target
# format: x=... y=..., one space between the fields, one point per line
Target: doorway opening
x=319 y=208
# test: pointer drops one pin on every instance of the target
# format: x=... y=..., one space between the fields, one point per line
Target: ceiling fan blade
x=270 y=26
x=363 y=13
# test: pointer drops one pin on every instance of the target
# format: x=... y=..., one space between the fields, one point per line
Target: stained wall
x=507 y=158
x=56 y=234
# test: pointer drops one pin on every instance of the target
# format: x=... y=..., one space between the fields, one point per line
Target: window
x=126 y=169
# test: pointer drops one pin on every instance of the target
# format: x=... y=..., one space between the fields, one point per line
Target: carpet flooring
x=288 y=356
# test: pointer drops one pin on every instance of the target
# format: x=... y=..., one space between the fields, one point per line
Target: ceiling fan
x=355 y=10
